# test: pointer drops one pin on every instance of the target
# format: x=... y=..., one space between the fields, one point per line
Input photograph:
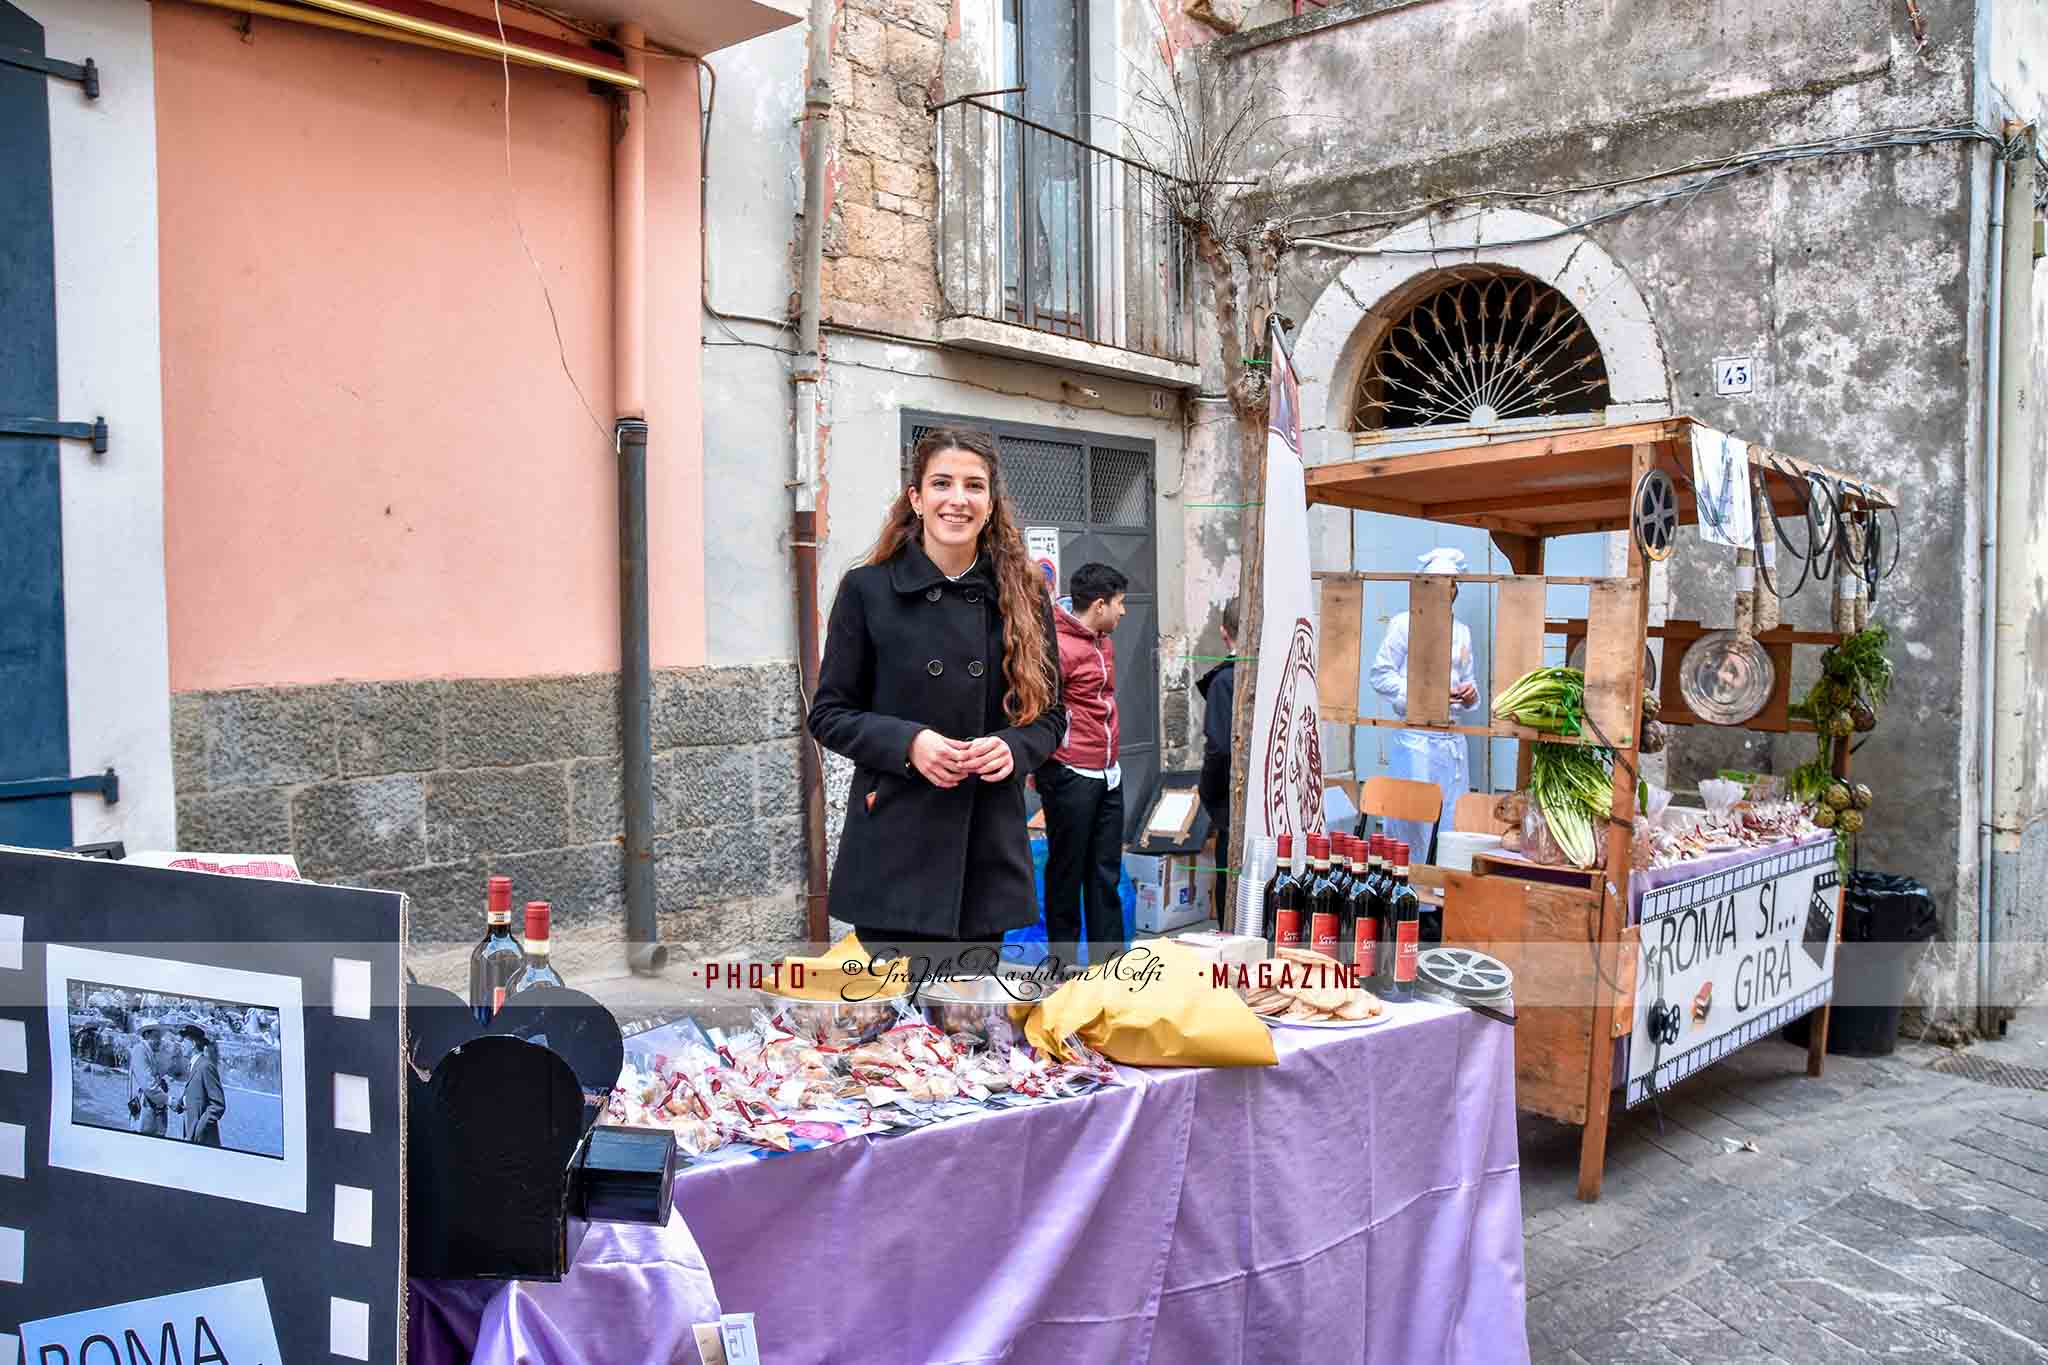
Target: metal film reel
x=1464 y=973
x=1653 y=514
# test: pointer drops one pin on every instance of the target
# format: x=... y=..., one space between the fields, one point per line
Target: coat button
x=931 y=595
x=935 y=667
x=973 y=596
x=974 y=669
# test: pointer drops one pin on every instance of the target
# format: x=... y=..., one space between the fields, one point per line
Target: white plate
x=1276 y=1022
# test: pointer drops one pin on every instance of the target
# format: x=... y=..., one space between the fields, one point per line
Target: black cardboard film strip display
x=302 y=1196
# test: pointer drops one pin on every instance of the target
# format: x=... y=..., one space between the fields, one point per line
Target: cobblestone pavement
x=1888 y=1212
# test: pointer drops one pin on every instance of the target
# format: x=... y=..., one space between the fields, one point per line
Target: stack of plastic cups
x=1261 y=860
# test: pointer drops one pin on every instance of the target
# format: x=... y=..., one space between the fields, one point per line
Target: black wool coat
x=909 y=650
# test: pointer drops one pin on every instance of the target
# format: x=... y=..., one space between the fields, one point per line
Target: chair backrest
x=1399 y=798
x=1474 y=814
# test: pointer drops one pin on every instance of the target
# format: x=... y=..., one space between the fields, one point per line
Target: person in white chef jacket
x=1433 y=756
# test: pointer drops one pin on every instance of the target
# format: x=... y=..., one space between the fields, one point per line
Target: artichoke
x=1840 y=725
x=1838 y=796
x=1849 y=821
x=1654 y=737
x=1824 y=815
x=1861 y=796
x=1651 y=706
x=1863 y=714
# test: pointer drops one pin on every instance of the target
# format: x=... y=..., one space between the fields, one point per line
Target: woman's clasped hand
x=947 y=762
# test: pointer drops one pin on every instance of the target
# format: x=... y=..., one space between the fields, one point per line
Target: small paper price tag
x=710 y=1345
x=737 y=1329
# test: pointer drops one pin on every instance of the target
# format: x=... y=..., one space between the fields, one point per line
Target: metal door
x=35 y=742
x=1098 y=490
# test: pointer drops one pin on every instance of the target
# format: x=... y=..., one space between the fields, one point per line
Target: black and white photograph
x=182 y=1068
x=178 y=1074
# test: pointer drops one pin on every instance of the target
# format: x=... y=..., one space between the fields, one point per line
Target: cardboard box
x=1170 y=893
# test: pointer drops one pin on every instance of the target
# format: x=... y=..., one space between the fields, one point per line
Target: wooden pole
x=1817 y=1036
x=1614 y=899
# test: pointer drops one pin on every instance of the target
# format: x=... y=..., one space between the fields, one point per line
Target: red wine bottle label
x=1287 y=928
x=1323 y=934
x=497 y=998
x=1404 y=950
x=1365 y=944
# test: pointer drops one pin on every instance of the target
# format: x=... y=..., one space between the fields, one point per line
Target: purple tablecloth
x=1361 y=1201
x=602 y=1313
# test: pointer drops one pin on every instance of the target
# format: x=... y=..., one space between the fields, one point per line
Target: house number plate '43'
x=1734 y=374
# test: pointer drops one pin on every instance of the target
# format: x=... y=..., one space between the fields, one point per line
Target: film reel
x=1653 y=515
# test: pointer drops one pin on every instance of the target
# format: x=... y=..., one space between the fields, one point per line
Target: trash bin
x=1885 y=920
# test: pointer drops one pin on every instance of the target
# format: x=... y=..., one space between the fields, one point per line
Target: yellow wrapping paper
x=827 y=978
x=1133 y=1014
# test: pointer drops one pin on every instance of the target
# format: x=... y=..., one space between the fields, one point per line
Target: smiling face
x=954 y=499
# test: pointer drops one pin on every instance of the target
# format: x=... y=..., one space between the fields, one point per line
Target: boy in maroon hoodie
x=1081 y=784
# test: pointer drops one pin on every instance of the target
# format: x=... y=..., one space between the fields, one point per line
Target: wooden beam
x=1430 y=631
x=1693 y=630
x=1343 y=609
x=1517 y=631
x=1523 y=553
x=1363 y=502
x=1517 y=502
x=1481 y=453
x=1580 y=582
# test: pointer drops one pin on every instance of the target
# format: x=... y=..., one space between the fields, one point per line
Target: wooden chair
x=1399 y=798
x=1474 y=814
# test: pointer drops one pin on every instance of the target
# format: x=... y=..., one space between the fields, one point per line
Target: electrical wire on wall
x=512 y=198
x=1707 y=175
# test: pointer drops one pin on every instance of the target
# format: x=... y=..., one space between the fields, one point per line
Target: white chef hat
x=1442 y=559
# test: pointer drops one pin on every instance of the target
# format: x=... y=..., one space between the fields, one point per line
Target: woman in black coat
x=941 y=682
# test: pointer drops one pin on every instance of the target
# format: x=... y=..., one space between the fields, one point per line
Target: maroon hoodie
x=1088 y=690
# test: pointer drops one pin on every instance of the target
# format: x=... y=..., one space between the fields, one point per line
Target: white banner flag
x=1284 y=791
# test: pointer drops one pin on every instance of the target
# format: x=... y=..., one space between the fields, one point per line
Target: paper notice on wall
x=1720 y=475
x=1284 y=792
x=1042 y=543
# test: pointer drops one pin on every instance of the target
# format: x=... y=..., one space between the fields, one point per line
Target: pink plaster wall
x=374 y=464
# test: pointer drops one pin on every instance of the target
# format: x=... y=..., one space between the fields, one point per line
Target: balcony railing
x=1041 y=230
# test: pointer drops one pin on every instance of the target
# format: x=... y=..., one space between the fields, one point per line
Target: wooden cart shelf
x=1537 y=487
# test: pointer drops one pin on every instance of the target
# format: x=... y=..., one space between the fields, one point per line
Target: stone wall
x=879 y=248
x=428 y=787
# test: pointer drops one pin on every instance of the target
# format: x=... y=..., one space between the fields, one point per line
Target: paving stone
x=1996 y=1169
x=1549 y=1260
x=1788 y=1332
x=2022 y=1274
x=1971 y=1336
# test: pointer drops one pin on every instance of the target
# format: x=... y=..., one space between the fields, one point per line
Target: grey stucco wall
x=429 y=787
x=1855 y=281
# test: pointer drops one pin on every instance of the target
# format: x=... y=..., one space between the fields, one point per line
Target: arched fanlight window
x=1478 y=349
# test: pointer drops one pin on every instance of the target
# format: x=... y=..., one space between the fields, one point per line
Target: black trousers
x=1226 y=912
x=1084 y=856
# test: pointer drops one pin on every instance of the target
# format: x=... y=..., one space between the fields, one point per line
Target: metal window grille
x=1481 y=347
x=1119 y=487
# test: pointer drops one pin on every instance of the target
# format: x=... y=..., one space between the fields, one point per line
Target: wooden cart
x=1524 y=491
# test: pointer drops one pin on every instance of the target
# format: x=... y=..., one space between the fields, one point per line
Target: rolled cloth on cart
x=1153 y=1006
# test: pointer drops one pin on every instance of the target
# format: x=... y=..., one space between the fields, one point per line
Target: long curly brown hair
x=1020 y=588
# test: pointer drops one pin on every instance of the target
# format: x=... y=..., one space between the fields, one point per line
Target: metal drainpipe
x=2015 y=439
x=1987 y=662
x=644 y=952
x=808 y=372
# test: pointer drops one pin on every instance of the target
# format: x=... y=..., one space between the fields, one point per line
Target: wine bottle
x=536 y=970
x=1325 y=900
x=1361 y=920
x=1406 y=912
x=497 y=959
x=1284 y=924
